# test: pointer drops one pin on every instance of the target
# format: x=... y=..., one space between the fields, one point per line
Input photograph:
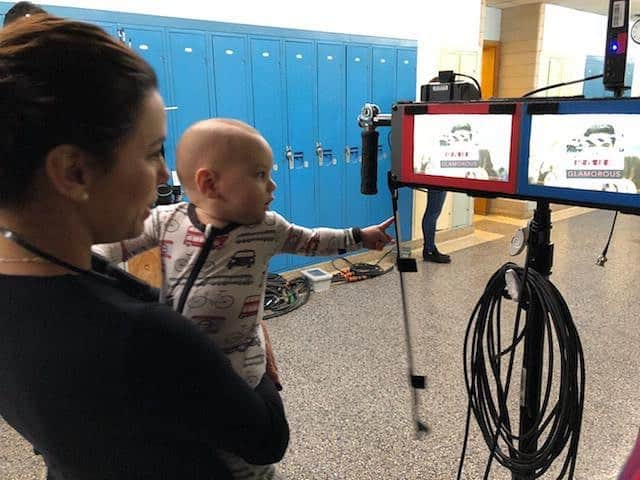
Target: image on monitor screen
x=599 y=152
x=474 y=146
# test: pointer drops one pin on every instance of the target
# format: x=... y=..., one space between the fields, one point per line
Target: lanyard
x=102 y=270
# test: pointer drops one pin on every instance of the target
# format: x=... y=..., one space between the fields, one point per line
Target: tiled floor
x=343 y=360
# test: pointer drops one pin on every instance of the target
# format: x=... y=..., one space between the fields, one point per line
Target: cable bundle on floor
x=557 y=427
x=356 y=272
x=284 y=296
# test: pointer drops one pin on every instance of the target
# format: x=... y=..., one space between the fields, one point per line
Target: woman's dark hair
x=20 y=10
x=63 y=82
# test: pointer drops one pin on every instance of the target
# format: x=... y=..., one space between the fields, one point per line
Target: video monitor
x=582 y=152
x=460 y=146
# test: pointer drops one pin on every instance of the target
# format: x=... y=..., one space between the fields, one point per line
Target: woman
x=104 y=385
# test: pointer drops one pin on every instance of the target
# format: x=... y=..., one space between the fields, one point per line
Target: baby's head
x=225 y=168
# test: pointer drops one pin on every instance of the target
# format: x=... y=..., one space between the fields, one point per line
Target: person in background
x=103 y=383
x=435 y=202
x=21 y=10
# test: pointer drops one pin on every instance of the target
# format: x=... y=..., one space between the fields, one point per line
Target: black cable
x=474 y=81
x=603 y=256
x=548 y=87
x=557 y=426
x=359 y=271
x=282 y=296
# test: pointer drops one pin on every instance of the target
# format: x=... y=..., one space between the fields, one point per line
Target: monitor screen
x=472 y=146
x=598 y=152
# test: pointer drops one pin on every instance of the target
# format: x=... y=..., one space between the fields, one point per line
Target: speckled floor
x=343 y=362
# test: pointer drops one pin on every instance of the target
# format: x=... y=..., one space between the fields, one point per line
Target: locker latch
x=289 y=155
x=349 y=152
x=122 y=35
x=319 y=153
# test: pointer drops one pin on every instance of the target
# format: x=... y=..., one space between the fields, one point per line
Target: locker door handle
x=328 y=153
x=293 y=156
x=319 y=153
x=172 y=108
x=300 y=157
x=289 y=155
x=349 y=152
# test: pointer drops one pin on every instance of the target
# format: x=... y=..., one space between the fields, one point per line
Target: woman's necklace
x=23 y=260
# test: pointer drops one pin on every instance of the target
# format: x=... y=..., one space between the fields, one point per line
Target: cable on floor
x=356 y=272
x=283 y=296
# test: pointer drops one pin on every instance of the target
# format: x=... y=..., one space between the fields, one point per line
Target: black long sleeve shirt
x=108 y=387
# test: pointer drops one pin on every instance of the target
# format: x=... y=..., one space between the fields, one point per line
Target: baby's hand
x=375 y=237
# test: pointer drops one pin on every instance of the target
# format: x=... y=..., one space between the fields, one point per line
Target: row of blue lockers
x=302 y=90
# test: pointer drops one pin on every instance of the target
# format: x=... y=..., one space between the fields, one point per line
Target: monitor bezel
x=573 y=196
x=404 y=118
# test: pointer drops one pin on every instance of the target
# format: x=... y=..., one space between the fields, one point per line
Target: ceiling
x=593 y=6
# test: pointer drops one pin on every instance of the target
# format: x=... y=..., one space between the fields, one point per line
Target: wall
x=492 y=21
x=563 y=56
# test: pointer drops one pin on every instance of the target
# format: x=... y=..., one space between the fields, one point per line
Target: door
x=331 y=134
x=190 y=83
x=358 y=63
x=232 y=92
x=268 y=102
x=384 y=95
x=300 y=149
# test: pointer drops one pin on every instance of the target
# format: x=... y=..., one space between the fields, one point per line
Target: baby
x=216 y=248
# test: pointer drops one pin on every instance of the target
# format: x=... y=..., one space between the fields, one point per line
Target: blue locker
x=384 y=95
x=331 y=134
x=406 y=90
x=110 y=28
x=300 y=93
x=233 y=92
x=148 y=43
x=268 y=102
x=330 y=156
x=190 y=80
x=358 y=64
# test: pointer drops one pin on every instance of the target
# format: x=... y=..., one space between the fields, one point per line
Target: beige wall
x=521 y=43
x=521 y=31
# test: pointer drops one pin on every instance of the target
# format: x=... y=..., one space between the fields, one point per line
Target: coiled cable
x=557 y=426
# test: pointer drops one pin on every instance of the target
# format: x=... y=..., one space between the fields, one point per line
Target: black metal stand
x=540 y=259
x=405 y=265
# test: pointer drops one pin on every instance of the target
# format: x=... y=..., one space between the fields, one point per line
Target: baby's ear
x=207 y=182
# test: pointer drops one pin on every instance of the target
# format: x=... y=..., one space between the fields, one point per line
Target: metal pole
x=540 y=259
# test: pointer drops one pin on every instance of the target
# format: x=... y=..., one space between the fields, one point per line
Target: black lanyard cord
x=102 y=270
x=17 y=239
